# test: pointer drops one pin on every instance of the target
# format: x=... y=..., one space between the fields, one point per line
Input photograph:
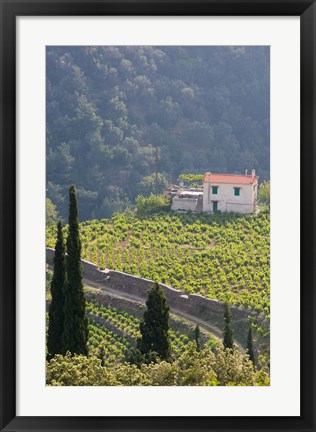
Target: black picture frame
x=10 y=9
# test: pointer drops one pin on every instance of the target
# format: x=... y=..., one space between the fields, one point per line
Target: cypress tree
x=155 y=325
x=197 y=337
x=228 y=331
x=102 y=356
x=250 y=350
x=75 y=336
x=56 y=308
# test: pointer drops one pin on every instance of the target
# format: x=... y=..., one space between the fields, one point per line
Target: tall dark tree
x=155 y=325
x=102 y=356
x=250 y=350
x=75 y=336
x=56 y=308
x=228 y=340
x=197 y=337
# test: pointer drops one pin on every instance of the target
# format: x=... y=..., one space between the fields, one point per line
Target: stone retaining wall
x=200 y=307
x=134 y=307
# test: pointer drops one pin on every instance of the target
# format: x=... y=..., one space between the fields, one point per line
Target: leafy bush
x=192 y=368
x=151 y=204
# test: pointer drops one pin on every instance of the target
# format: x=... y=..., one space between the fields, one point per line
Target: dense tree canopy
x=116 y=116
x=193 y=368
x=51 y=213
x=264 y=193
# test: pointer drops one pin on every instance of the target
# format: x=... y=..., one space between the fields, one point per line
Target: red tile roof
x=229 y=178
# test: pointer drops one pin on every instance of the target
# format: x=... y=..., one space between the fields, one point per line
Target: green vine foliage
x=224 y=257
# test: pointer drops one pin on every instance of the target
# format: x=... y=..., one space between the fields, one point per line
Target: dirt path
x=193 y=320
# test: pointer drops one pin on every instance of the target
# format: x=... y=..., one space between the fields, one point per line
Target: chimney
x=253 y=173
x=246 y=172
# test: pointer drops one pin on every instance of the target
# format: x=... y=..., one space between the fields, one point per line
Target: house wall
x=227 y=201
x=184 y=203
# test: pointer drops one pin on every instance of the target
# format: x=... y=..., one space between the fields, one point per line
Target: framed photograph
x=157 y=215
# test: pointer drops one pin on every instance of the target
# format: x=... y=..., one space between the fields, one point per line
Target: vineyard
x=224 y=257
x=117 y=341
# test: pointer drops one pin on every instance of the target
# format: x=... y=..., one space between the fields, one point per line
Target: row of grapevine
x=128 y=326
x=224 y=257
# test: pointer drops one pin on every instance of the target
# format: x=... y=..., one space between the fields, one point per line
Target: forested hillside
x=118 y=115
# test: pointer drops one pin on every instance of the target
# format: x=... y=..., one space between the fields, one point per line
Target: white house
x=230 y=192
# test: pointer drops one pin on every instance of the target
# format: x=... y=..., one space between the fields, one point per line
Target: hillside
x=117 y=115
x=223 y=257
x=117 y=331
x=112 y=338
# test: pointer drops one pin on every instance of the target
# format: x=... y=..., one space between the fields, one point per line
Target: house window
x=237 y=191
x=214 y=190
x=214 y=203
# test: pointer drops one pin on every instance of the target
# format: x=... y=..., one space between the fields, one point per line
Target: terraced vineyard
x=122 y=335
x=114 y=346
x=224 y=257
x=116 y=342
